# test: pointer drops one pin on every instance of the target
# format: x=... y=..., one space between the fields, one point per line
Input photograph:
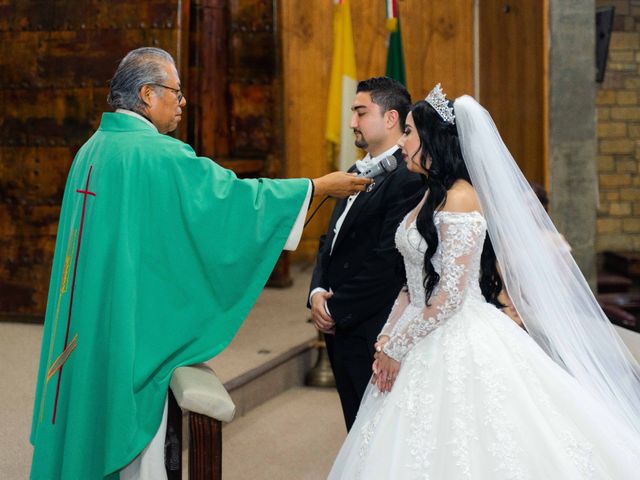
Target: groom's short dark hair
x=389 y=94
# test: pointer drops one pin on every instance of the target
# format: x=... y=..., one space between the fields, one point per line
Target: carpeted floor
x=294 y=436
x=19 y=352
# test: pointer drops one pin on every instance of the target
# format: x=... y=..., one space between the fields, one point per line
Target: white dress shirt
x=366 y=163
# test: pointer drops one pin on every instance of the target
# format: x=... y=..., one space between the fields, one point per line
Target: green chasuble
x=159 y=257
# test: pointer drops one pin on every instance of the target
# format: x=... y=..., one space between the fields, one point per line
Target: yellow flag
x=342 y=88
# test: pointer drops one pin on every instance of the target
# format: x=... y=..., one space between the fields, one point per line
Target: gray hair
x=142 y=66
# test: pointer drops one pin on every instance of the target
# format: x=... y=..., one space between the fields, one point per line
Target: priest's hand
x=340 y=184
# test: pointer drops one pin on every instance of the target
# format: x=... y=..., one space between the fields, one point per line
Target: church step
x=251 y=388
x=260 y=384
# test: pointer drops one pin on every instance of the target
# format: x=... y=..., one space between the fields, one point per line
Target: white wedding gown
x=476 y=398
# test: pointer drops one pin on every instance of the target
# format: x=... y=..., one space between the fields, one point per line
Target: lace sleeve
x=461 y=241
x=399 y=306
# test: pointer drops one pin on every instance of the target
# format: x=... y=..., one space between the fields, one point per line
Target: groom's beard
x=360 y=141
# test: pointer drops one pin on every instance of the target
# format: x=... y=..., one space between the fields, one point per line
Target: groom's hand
x=321 y=318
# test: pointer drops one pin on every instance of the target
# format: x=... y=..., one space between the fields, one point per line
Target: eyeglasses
x=177 y=91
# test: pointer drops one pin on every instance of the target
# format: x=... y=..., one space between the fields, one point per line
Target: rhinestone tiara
x=438 y=100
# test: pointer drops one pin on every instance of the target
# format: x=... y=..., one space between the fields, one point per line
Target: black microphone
x=387 y=164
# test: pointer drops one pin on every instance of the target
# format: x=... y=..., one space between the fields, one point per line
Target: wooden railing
x=197 y=392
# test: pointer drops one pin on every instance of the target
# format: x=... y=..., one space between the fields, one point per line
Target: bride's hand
x=379 y=345
x=387 y=370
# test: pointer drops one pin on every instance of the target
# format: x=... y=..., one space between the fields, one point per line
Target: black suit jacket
x=365 y=270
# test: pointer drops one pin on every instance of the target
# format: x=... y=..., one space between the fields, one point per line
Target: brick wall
x=618 y=117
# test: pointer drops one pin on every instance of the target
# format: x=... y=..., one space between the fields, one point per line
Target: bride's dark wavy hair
x=440 y=143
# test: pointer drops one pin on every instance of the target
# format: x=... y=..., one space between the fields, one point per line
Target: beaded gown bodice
x=461 y=235
x=457 y=261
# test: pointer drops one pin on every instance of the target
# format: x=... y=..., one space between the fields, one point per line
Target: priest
x=159 y=257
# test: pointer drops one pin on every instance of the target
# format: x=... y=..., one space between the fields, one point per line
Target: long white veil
x=544 y=282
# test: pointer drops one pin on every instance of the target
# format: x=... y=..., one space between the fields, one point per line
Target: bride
x=459 y=391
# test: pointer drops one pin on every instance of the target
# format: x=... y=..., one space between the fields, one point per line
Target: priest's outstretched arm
x=335 y=184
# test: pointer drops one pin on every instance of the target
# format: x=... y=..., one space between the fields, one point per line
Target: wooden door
x=512 y=78
x=235 y=108
x=56 y=59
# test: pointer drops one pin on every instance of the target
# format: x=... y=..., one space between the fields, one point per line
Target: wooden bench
x=626 y=264
x=612 y=283
x=622 y=308
x=197 y=391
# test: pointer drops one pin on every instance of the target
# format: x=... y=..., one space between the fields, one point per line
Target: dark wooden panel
x=252 y=122
x=25 y=220
x=252 y=58
x=512 y=78
x=69 y=59
x=235 y=75
x=56 y=58
x=32 y=176
x=25 y=266
x=208 y=110
x=53 y=15
x=252 y=14
x=50 y=116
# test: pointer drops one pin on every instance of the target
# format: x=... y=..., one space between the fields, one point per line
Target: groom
x=358 y=271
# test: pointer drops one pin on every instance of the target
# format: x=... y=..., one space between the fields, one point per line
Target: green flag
x=395 y=56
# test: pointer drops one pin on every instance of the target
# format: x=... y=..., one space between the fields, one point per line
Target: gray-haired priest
x=160 y=255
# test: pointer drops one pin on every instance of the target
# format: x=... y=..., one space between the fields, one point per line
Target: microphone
x=387 y=164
